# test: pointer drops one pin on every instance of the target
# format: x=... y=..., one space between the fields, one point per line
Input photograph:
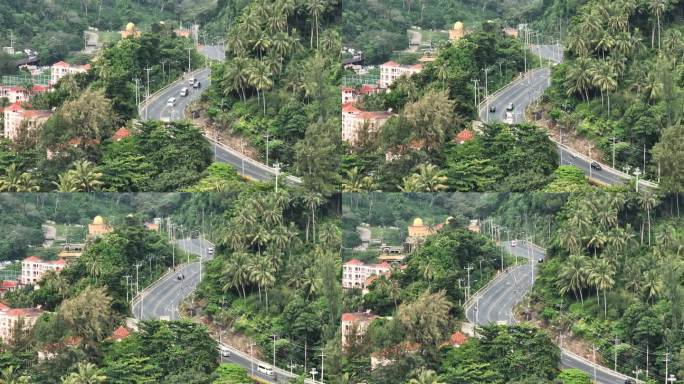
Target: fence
x=355 y=80
x=12 y=80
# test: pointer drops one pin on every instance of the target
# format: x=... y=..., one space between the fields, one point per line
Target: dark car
x=596 y=166
x=630 y=381
x=510 y=107
x=492 y=108
x=194 y=234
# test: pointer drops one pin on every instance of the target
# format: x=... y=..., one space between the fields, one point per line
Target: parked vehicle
x=171 y=102
x=265 y=369
x=596 y=166
x=184 y=91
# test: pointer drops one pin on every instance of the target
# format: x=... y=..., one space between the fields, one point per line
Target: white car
x=184 y=91
x=514 y=243
x=171 y=102
x=210 y=250
x=225 y=352
x=192 y=81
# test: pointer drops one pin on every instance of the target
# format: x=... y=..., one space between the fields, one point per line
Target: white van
x=184 y=91
x=265 y=369
x=171 y=102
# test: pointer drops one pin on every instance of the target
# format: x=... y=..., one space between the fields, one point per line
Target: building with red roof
x=355 y=119
x=7 y=285
x=457 y=339
x=18 y=114
x=464 y=135
x=10 y=317
x=61 y=69
x=121 y=134
x=119 y=334
x=357 y=274
x=33 y=268
x=19 y=93
x=355 y=323
x=391 y=71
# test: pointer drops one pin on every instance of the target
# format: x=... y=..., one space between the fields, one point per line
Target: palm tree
x=430 y=178
x=66 y=182
x=85 y=176
x=657 y=8
x=87 y=373
x=410 y=183
x=312 y=200
x=578 y=78
x=647 y=201
x=10 y=375
x=16 y=181
x=236 y=76
x=605 y=79
x=442 y=72
x=352 y=181
x=573 y=276
x=261 y=271
x=236 y=272
x=602 y=276
x=260 y=78
x=652 y=286
x=315 y=8
x=94 y=267
x=426 y=376
x=310 y=281
x=597 y=240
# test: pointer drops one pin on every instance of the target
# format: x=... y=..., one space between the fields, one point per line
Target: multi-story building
x=21 y=94
x=9 y=317
x=61 y=69
x=33 y=268
x=15 y=115
x=355 y=273
x=457 y=32
x=354 y=95
x=390 y=71
x=355 y=323
x=354 y=120
x=98 y=227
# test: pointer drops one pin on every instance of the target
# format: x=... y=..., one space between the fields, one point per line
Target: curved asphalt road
x=158 y=109
x=523 y=92
x=494 y=304
x=161 y=301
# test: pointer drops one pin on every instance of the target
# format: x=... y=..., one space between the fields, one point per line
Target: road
x=524 y=91
x=162 y=299
x=158 y=109
x=494 y=304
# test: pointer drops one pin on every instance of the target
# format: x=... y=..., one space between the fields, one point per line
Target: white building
x=33 y=268
x=355 y=273
x=390 y=71
x=354 y=119
x=15 y=115
x=61 y=69
x=9 y=317
x=21 y=94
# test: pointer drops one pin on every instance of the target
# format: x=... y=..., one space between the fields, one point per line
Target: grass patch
x=71 y=233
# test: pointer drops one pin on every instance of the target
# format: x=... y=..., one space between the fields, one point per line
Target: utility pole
x=647 y=361
x=137 y=288
x=277 y=170
x=667 y=361
x=251 y=356
x=615 y=355
x=304 y=355
x=148 y=69
x=468 y=268
x=242 y=158
x=274 y=340
x=127 y=286
x=322 y=356
x=613 y=152
x=593 y=351
x=487 y=91
x=189 y=66
x=267 y=136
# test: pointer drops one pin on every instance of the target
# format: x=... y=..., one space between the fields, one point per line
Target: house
x=390 y=71
x=15 y=115
x=401 y=149
x=9 y=317
x=457 y=32
x=457 y=339
x=119 y=334
x=419 y=229
x=61 y=69
x=512 y=32
x=354 y=95
x=474 y=226
x=355 y=323
x=354 y=120
x=71 y=251
x=355 y=273
x=386 y=356
x=21 y=94
x=98 y=227
x=33 y=268
x=464 y=136
x=51 y=350
x=152 y=226
x=7 y=285
x=121 y=134
x=391 y=253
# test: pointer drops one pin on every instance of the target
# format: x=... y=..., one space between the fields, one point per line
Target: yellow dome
x=98 y=220
x=458 y=26
x=417 y=222
x=130 y=27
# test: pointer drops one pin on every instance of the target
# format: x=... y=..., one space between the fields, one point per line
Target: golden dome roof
x=417 y=222
x=458 y=26
x=98 y=220
x=130 y=27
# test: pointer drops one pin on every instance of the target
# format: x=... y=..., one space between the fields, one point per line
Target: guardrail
x=598 y=366
x=155 y=95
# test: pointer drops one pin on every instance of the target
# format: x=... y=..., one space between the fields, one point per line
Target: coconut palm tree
x=85 y=176
x=87 y=373
x=312 y=200
x=66 y=182
x=426 y=376
x=352 y=181
x=430 y=178
x=236 y=272
x=260 y=78
x=573 y=276
x=94 y=267
x=10 y=375
x=657 y=9
x=578 y=79
x=652 y=286
x=316 y=9
x=410 y=183
x=602 y=277
x=236 y=76
x=261 y=272
x=16 y=181
x=605 y=79
x=311 y=282
x=647 y=201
